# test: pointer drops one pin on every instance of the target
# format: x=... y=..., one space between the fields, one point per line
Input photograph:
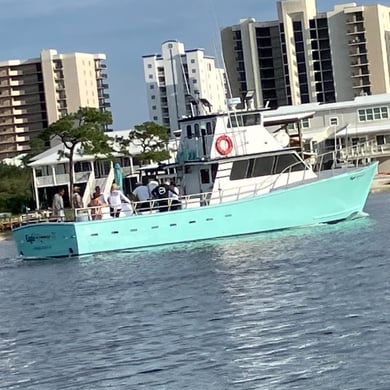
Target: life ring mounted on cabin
x=224 y=145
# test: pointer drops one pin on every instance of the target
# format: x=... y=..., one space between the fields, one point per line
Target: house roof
x=271 y=119
x=351 y=130
x=51 y=156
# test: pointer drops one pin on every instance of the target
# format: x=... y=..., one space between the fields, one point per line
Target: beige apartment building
x=36 y=92
x=305 y=56
x=182 y=83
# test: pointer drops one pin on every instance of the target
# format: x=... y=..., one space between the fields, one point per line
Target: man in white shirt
x=141 y=192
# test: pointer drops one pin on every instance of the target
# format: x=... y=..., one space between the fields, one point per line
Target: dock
x=7 y=224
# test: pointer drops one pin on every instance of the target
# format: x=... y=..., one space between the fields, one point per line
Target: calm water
x=302 y=309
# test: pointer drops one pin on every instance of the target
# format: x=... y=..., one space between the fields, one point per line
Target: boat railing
x=301 y=171
x=312 y=164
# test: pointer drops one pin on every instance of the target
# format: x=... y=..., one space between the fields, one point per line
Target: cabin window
x=244 y=120
x=205 y=176
x=189 y=131
x=197 y=131
x=251 y=119
x=239 y=170
x=209 y=130
x=233 y=120
x=214 y=170
x=284 y=161
x=263 y=166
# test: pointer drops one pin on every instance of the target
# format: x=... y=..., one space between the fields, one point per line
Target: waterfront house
x=50 y=172
x=359 y=128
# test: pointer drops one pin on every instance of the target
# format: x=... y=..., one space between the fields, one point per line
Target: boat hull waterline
x=323 y=201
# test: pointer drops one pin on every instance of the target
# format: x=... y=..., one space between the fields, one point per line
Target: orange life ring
x=224 y=145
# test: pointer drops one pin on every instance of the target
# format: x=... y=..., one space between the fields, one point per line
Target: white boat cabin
x=227 y=151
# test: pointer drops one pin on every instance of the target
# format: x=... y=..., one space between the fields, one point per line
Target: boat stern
x=42 y=240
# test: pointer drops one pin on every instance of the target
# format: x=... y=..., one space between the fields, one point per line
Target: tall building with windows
x=182 y=83
x=306 y=56
x=37 y=92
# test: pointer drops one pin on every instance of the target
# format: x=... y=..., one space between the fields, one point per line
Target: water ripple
x=302 y=309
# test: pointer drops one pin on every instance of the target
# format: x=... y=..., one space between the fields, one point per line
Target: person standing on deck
x=141 y=192
x=152 y=184
x=96 y=204
x=58 y=205
x=100 y=194
x=77 y=201
x=115 y=200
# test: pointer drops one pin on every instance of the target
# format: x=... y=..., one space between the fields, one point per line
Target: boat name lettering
x=42 y=247
x=33 y=237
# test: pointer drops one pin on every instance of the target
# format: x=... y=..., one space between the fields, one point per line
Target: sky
x=124 y=30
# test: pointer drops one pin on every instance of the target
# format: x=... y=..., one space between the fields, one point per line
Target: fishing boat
x=235 y=178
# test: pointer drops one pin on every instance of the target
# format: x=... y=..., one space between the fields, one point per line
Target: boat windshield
x=265 y=166
x=246 y=119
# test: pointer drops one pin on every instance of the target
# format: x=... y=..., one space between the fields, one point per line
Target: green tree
x=152 y=140
x=81 y=131
x=37 y=146
x=15 y=188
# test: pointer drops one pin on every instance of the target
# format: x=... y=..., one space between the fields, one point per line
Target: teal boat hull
x=321 y=201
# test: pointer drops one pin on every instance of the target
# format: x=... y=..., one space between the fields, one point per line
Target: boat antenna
x=220 y=58
x=188 y=95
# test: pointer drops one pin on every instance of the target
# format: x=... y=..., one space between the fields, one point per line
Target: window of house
x=155 y=118
x=334 y=121
x=149 y=66
x=383 y=139
x=194 y=81
x=150 y=76
x=305 y=123
x=83 y=166
x=372 y=114
x=151 y=86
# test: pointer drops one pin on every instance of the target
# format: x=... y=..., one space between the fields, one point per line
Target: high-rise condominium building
x=36 y=92
x=306 y=56
x=182 y=83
